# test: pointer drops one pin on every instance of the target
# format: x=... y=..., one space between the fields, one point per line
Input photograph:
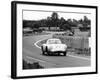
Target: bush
x=84 y=28
x=34 y=65
x=84 y=51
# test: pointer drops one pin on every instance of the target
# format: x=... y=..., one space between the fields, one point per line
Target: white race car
x=54 y=46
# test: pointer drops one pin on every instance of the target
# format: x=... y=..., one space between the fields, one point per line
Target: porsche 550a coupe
x=54 y=47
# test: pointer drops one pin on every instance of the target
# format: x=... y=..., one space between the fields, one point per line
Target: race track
x=32 y=53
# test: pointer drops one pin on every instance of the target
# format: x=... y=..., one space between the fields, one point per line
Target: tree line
x=55 y=21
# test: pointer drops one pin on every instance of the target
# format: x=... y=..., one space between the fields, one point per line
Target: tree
x=54 y=16
x=66 y=27
x=75 y=22
x=53 y=20
x=35 y=25
x=85 y=19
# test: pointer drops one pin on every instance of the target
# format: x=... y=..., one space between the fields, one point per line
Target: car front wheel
x=43 y=52
x=47 y=52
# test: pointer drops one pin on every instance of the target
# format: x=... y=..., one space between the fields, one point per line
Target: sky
x=38 y=15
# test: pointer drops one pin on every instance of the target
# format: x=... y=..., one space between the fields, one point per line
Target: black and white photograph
x=55 y=39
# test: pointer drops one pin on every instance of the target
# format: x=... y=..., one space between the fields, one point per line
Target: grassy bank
x=34 y=65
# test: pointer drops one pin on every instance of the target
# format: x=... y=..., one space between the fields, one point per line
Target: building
x=27 y=30
x=54 y=28
x=49 y=28
x=44 y=28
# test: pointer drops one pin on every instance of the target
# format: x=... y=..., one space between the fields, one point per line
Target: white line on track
x=79 y=57
x=35 y=59
x=37 y=45
x=29 y=57
x=42 y=62
x=39 y=60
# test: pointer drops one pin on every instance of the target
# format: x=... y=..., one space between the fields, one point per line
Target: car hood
x=55 y=45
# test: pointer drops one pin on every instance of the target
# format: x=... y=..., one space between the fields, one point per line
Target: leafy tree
x=54 y=21
x=54 y=16
x=66 y=27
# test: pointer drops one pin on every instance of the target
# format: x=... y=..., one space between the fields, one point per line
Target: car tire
x=64 y=53
x=43 y=52
x=46 y=50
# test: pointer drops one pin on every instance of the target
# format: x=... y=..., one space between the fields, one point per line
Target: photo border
x=14 y=38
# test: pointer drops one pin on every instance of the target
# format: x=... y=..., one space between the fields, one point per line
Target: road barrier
x=74 y=41
x=78 y=43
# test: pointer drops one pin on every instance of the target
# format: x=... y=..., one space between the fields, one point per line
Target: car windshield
x=53 y=42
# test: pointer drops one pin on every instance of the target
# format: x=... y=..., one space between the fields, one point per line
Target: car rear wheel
x=64 y=53
x=43 y=52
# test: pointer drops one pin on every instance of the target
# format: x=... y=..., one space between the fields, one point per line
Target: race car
x=54 y=47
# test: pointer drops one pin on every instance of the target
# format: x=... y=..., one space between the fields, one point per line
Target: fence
x=74 y=41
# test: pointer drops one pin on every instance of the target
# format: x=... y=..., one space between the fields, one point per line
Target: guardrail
x=78 y=43
x=74 y=41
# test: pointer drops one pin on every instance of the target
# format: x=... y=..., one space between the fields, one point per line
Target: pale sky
x=38 y=15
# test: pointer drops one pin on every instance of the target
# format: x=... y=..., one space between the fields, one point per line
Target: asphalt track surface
x=32 y=53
